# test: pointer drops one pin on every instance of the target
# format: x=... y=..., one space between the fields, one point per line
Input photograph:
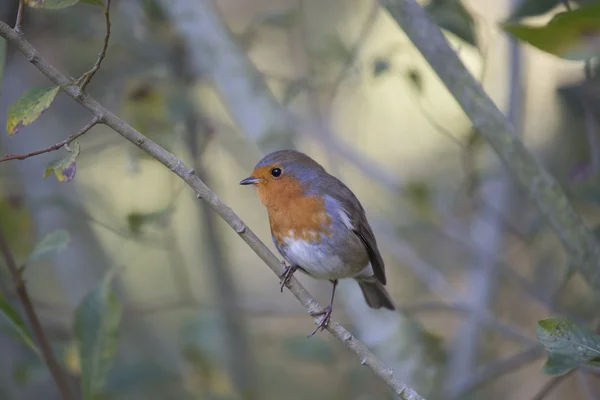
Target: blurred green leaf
x=532 y=8
x=29 y=107
x=572 y=35
x=569 y=345
x=52 y=243
x=15 y=220
x=65 y=168
x=17 y=326
x=97 y=321
x=51 y=4
x=136 y=221
x=309 y=350
x=452 y=16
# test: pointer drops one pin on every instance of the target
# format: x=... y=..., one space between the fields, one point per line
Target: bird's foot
x=286 y=275
x=324 y=321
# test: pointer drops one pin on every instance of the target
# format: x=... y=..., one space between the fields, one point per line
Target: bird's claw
x=324 y=321
x=286 y=275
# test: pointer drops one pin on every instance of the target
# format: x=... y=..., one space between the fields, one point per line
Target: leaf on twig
x=572 y=35
x=18 y=329
x=97 y=321
x=29 y=107
x=53 y=242
x=532 y=8
x=64 y=169
x=51 y=4
x=452 y=16
x=569 y=345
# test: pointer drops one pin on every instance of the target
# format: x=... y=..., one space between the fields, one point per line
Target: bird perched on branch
x=319 y=226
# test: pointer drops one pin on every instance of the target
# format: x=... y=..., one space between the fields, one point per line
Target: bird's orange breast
x=292 y=214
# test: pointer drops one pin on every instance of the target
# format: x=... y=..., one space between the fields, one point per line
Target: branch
x=203 y=192
x=495 y=128
x=19 y=20
x=55 y=146
x=36 y=326
x=87 y=77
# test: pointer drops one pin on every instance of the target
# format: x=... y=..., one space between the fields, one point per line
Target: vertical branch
x=87 y=77
x=36 y=326
x=591 y=125
x=19 y=20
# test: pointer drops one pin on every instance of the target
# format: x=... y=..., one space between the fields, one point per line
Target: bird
x=319 y=227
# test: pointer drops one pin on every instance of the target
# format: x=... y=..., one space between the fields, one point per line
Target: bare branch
x=177 y=166
x=550 y=386
x=19 y=20
x=495 y=369
x=55 y=369
x=53 y=147
x=87 y=77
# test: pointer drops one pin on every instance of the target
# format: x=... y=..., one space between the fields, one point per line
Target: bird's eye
x=276 y=172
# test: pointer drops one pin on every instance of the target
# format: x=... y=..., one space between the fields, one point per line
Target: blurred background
x=470 y=262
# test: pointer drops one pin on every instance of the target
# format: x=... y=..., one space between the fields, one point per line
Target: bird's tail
x=375 y=293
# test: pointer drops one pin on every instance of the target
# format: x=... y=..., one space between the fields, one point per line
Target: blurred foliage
x=97 y=321
x=15 y=325
x=569 y=345
x=532 y=8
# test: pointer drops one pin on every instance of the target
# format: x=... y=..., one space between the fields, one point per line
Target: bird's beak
x=249 y=181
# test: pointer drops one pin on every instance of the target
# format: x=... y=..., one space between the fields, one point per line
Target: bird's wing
x=358 y=222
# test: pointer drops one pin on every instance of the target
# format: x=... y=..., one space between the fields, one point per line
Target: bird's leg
x=287 y=274
x=327 y=311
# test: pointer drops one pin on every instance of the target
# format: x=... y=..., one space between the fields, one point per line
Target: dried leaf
x=64 y=169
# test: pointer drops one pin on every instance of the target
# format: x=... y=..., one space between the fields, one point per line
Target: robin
x=319 y=226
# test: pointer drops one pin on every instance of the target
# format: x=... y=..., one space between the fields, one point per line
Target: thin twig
x=19 y=20
x=55 y=146
x=177 y=166
x=87 y=77
x=495 y=369
x=55 y=369
x=550 y=386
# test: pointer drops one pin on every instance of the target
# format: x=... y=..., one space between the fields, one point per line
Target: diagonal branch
x=203 y=192
x=53 y=365
x=497 y=130
x=53 y=147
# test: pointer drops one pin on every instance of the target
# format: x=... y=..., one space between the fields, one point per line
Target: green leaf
x=452 y=16
x=52 y=243
x=29 y=107
x=97 y=321
x=531 y=8
x=18 y=329
x=569 y=345
x=51 y=4
x=64 y=169
x=572 y=35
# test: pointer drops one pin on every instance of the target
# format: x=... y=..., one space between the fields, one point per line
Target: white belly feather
x=317 y=262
